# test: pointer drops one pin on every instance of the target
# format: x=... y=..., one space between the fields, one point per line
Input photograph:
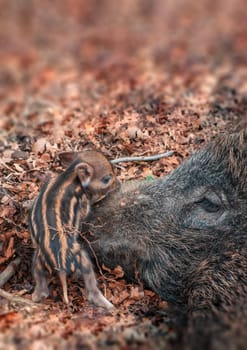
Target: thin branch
x=94 y=255
x=97 y=263
x=9 y=168
x=9 y=271
x=15 y=298
x=143 y=158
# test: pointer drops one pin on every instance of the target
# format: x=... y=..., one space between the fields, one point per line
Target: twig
x=94 y=255
x=9 y=168
x=143 y=158
x=97 y=263
x=15 y=298
x=9 y=271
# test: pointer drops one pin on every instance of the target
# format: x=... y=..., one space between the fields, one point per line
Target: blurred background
x=173 y=31
x=129 y=42
x=109 y=71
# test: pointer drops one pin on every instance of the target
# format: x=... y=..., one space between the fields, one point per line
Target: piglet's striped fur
x=55 y=219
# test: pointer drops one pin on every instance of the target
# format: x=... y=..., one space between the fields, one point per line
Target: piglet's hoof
x=37 y=297
x=101 y=301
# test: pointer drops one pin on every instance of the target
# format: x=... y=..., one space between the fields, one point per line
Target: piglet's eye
x=208 y=205
x=106 y=179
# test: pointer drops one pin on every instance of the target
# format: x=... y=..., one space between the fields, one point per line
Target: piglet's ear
x=85 y=173
x=67 y=157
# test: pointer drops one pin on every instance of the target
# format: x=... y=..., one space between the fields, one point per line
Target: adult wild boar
x=186 y=236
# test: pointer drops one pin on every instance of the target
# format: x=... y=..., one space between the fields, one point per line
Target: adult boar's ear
x=67 y=157
x=85 y=173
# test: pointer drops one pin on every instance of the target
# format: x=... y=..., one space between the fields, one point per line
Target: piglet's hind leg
x=41 y=288
x=94 y=294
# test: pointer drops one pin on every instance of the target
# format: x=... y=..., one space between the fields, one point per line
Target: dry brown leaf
x=117 y=271
x=135 y=293
x=41 y=145
x=9 y=319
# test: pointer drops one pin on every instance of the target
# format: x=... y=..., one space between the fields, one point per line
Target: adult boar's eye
x=106 y=179
x=208 y=205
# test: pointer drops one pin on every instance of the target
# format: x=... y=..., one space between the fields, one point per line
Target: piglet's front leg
x=63 y=280
x=94 y=294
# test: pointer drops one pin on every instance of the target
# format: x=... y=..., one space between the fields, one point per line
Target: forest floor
x=128 y=78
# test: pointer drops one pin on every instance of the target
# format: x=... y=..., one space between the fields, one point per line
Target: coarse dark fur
x=186 y=235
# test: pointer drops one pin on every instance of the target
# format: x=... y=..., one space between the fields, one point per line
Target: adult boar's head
x=185 y=235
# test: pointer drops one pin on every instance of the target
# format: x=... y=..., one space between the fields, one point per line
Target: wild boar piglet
x=55 y=219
